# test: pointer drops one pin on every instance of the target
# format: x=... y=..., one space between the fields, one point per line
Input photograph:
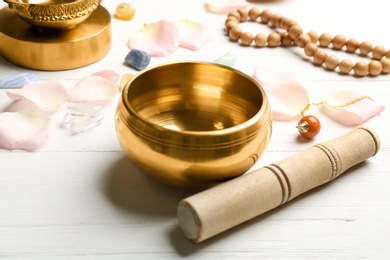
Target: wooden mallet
x=229 y=204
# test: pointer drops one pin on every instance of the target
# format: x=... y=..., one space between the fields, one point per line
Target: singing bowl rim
x=218 y=132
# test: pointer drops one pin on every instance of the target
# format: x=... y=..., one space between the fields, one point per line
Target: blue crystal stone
x=138 y=59
x=18 y=81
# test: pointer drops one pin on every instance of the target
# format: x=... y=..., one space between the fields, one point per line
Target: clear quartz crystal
x=81 y=117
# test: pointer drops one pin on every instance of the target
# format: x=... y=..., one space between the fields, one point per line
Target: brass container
x=23 y=45
x=58 y=14
x=193 y=124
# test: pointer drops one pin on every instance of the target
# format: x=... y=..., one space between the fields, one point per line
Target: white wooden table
x=79 y=197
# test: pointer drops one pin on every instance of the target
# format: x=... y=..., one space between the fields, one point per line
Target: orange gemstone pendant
x=309 y=126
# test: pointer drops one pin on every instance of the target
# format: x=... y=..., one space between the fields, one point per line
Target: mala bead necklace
x=309 y=126
x=310 y=42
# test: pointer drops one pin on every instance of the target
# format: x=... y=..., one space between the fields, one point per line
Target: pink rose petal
x=49 y=96
x=23 y=104
x=270 y=76
x=193 y=35
x=24 y=130
x=225 y=6
x=158 y=39
x=286 y=95
x=109 y=75
x=93 y=90
x=287 y=99
x=354 y=114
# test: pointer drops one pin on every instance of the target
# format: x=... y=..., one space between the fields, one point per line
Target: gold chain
x=324 y=102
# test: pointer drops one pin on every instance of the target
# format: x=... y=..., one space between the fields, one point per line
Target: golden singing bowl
x=57 y=14
x=193 y=124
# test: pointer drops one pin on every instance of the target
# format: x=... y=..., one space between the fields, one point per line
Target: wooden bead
x=230 y=25
x=319 y=57
x=254 y=13
x=352 y=45
x=275 y=20
x=231 y=18
x=265 y=16
x=260 y=40
x=246 y=38
x=303 y=40
x=325 y=39
x=311 y=49
x=345 y=66
x=378 y=52
x=284 y=23
x=360 y=68
x=313 y=36
x=338 y=42
x=294 y=31
x=388 y=54
x=375 y=68
x=244 y=13
x=273 y=39
x=285 y=39
x=331 y=62
x=365 y=47
x=385 y=65
x=235 y=33
x=290 y=23
x=235 y=14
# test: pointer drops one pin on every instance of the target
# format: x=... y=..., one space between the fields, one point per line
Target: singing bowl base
x=193 y=124
x=27 y=46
